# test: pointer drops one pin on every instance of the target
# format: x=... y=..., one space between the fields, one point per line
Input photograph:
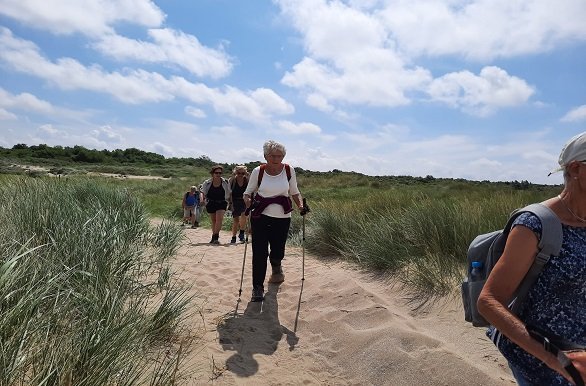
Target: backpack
x=261 y=172
x=488 y=248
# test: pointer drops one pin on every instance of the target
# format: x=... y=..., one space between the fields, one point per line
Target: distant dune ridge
x=340 y=327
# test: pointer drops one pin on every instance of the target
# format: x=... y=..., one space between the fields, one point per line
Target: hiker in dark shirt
x=556 y=303
x=216 y=192
x=238 y=183
x=271 y=217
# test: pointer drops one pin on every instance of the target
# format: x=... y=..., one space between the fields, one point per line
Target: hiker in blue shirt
x=190 y=204
x=553 y=314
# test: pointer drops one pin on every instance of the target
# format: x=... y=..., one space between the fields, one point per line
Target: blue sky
x=476 y=89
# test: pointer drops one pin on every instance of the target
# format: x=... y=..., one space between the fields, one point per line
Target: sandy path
x=338 y=327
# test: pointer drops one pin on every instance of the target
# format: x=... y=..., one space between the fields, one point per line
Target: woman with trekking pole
x=545 y=342
x=269 y=192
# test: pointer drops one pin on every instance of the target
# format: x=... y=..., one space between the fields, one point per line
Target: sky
x=474 y=89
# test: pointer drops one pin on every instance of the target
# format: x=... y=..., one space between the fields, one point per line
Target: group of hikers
x=266 y=195
x=555 y=305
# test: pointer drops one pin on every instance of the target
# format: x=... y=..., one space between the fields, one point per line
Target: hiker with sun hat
x=545 y=344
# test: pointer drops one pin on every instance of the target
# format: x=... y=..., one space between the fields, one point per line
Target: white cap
x=573 y=150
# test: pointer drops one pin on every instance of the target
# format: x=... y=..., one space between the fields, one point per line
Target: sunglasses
x=241 y=174
x=217 y=172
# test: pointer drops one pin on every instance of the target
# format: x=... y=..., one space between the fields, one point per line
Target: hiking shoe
x=277 y=276
x=233 y=241
x=257 y=295
x=193 y=226
x=241 y=236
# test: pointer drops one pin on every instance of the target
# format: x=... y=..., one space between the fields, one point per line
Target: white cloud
x=138 y=86
x=107 y=134
x=195 y=112
x=319 y=102
x=228 y=131
x=161 y=148
x=88 y=17
x=170 y=47
x=256 y=106
x=483 y=29
x=48 y=131
x=348 y=57
x=299 y=128
x=363 y=53
x=7 y=115
x=575 y=115
x=493 y=88
x=24 y=101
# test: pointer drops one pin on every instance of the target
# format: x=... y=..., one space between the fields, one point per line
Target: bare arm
x=298 y=200
x=499 y=289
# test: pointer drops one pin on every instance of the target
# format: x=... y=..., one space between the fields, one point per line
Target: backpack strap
x=262 y=168
x=549 y=245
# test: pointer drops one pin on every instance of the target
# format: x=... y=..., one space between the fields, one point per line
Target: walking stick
x=244 y=259
x=248 y=214
x=303 y=213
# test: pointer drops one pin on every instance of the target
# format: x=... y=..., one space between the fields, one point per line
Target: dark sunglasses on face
x=217 y=172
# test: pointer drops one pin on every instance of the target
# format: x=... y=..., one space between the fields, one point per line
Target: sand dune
x=340 y=326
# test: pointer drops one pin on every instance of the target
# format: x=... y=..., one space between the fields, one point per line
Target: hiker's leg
x=260 y=250
x=213 y=220
x=192 y=214
x=242 y=222
x=234 y=226
x=218 y=222
x=277 y=238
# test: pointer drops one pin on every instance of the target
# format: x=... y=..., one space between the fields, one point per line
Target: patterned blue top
x=556 y=303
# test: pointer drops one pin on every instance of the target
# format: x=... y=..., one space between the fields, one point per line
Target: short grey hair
x=271 y=146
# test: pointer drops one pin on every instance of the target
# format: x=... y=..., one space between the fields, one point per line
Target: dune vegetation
x=87 y=294
x=86 y=285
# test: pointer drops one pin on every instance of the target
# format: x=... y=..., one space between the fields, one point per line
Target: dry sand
x=340 y=326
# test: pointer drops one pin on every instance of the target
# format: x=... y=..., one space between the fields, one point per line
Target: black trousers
x=267 y=231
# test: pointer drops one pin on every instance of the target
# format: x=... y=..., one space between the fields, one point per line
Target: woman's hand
x=578 y=359
x=247 y=200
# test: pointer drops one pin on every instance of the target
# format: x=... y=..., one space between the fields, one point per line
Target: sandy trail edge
x=338 y=327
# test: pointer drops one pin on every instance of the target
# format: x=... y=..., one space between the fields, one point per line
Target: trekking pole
x=247 y=213
x=244 y=258
x=303 y=213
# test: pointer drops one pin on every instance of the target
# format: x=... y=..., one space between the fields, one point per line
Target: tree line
x=80 y=154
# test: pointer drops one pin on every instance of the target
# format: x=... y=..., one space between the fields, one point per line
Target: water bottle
x=476 y=272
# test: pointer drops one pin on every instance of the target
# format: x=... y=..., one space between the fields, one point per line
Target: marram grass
x=86 y=293
x=421 y=238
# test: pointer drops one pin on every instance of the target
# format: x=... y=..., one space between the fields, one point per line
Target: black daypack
x=488 y=248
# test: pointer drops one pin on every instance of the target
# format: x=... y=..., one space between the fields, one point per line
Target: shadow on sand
x=255 y=331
